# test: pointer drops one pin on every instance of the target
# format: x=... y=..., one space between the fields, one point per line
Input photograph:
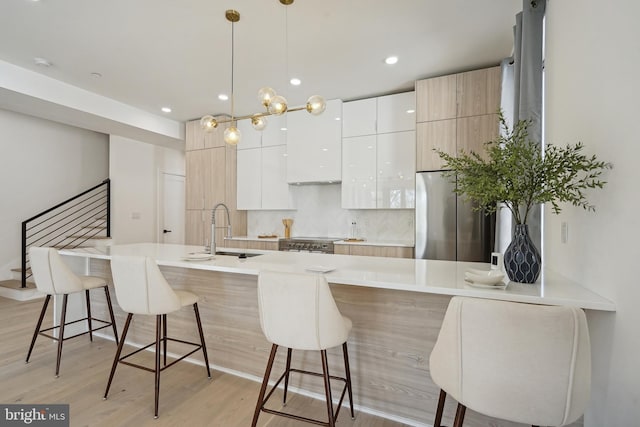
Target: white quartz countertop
x=413 y=275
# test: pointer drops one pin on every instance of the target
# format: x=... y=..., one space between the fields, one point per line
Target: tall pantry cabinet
x=456 y=112
x=210 y=179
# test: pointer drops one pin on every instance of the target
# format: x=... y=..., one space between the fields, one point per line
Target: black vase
x=522 y=259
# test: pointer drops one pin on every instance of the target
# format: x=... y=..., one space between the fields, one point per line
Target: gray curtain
x=522 y=95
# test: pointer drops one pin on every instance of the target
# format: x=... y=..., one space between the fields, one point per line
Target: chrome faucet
x=212 y=247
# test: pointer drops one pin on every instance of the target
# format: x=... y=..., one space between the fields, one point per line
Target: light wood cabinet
x=439 y=134
x=436 y=99
x=251 y=244
x=374 y=250
x=456 y=112
x=210 y=179
x=474 y=131
x=478 y=92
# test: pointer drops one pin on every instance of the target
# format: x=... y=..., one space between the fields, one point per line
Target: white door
x=173 y=205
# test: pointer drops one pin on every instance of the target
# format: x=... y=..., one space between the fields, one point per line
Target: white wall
x=134 y=169
x=42 y=163
x=319 y=213
x=592 y=89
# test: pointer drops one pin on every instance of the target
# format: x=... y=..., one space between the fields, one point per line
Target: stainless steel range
x=322 y=245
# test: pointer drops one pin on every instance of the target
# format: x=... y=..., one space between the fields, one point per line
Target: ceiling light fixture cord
x=233 y=49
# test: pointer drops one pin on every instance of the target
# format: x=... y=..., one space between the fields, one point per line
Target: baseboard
x=12 y=289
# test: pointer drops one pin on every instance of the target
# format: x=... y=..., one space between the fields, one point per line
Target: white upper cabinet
x=396 y=170
x=275 y=189
x=249 y=137
x=249 y=192
x=275 y=133
x=396 y=113
x=262 y=179
x=378 y=170
x=314 y=145
x=359 y=118
x=359 y=172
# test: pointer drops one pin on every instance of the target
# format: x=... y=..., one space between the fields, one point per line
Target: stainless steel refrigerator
x=446 y=226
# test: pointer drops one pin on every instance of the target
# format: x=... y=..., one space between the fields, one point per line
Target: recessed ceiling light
x=338 y=118
x=391 y=60
x=42 y=62
x=411 y=111
x=166 y=109
x=283 y=129
x=223 y=97
x=294 y=81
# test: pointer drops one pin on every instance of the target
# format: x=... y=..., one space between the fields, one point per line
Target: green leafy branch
x=515 y=171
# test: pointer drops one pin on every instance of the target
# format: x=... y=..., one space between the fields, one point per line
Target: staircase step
x=94 y=227
x=13 y=289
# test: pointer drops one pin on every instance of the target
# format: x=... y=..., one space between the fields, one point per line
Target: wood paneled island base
x=392 y=337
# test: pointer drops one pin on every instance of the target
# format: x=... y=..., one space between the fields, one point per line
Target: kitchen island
x=396 y=306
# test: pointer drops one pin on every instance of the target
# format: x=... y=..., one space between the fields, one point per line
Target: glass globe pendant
x=258 y=122
x=265 y=95
x=208 y=123
x=316 y=105
x=278 y=105
x=232 y=135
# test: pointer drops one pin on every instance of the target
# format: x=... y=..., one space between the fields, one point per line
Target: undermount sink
x=237 y=254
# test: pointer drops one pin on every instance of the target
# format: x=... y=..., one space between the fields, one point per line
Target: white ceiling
x=177 y=53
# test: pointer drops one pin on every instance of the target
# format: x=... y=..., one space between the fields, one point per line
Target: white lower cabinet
x=379 y=171
x=262 y=180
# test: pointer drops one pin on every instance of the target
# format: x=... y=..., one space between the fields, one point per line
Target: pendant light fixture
x=274 y=104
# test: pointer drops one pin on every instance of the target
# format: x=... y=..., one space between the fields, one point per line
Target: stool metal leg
x=286 y=377
x=157 y=387
x=457 y=422
x=86 y=294
x=116 y=359
x=204 y=346
x=164 y=338
x=265 y=382
x=438 y=420
x=348 y=377
x=327 y=387
x=38 y=326
x=113 y=319
x=61 y=335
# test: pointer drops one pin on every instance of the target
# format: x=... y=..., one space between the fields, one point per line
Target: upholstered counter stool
x=54 y=277
x=518 y=362
x=297 y=311
x=142 y=289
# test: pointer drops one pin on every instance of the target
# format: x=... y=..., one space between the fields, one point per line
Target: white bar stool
x=142 y=289
x=519 y=362
x=54 y=277
x=297 y=311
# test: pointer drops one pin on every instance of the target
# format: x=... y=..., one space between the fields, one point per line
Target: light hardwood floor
x=187 y=397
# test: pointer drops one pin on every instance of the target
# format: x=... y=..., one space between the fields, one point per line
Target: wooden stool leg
x=327 y=388
x=437 y=422
x=113 y=319
x=286 y=376
x=204 y=346
x=61 y=335
x=157 y=387
x=265 y=382
x=38 y=326
x=459 y=415
x=86 y=294
x=348 y=378
x=116 y=359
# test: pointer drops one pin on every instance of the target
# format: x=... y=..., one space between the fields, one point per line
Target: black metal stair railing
x=69 y=224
